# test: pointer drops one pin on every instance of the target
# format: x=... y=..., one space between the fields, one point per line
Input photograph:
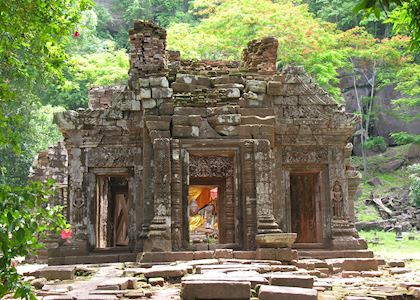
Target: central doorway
x=210 y=212
x=203 y=214
x=306 y=207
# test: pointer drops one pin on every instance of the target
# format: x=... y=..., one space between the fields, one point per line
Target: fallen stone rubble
x=220 y=278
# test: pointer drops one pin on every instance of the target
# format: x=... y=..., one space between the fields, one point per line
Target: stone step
x=269 y=292
x=96 y=258
x=324 y=254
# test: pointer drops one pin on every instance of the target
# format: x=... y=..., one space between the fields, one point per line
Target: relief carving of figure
x=338 y=200
x=78 y=206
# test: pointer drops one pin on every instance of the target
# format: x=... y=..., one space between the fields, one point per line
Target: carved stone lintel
x=304 y=155
x=211 y=166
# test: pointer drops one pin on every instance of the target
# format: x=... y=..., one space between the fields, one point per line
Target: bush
x=375 y=142
x=25 y=218
x=403 y=138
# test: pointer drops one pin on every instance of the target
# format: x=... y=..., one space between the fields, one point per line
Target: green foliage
x=404 y=14
x=35 y=132
x=341 y=13
x=225 y=30
x=104 y=67
x=375 y=142
x=24 y=218
x=414 y=171
x=403 y=138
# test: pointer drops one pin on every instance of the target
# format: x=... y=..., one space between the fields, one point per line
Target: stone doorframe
x=325 y=211
x=224 y=164
x=93 y=175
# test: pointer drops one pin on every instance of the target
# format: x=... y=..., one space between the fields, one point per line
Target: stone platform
x=223 y=278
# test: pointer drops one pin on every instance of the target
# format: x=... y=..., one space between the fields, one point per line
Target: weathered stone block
x=231 y=119
x=274 y=88
x=268 y=292
x=233 y=93
x=302 y=281
x=157 y=125
x=145 y=94
x=256 y=86
x=166 y=108
x=244 y=254
x=162 y=93
x=192 y=290
x=229 y=85
x=286 y=100
x=223 y=253
x=57 y=272
x=227 y=130
x=360 y=264
x=201 y=111
x=185 y=131
x=203 y=255
x=250 y=120
x=159 y=82
x=181 y=87
x=144 y=82
x=149 y=103
x=166 y=272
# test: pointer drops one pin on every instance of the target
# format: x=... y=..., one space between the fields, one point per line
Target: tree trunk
x=362 y=129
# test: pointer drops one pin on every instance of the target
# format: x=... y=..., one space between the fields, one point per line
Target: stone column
x=264 y=181
x=159 y=237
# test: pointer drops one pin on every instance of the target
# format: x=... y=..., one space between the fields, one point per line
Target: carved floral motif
x=211 y=166
x=304 y=155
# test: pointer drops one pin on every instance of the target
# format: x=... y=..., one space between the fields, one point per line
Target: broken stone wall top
x=101 y=96
x=51 y=163
x=261 y=55
x=148 y=50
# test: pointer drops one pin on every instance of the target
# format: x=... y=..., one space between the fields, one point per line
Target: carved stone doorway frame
x=216 y=153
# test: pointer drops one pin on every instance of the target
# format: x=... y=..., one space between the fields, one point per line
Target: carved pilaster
x=159 y=238
x=263 y=179
x=248 y=178
x=176 y=197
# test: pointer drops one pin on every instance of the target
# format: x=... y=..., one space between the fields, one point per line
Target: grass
x=389 y=248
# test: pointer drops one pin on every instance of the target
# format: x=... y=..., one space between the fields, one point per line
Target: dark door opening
x=306 y=207
x=112 y=211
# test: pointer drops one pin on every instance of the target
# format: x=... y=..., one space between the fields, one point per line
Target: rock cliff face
x=385 y=121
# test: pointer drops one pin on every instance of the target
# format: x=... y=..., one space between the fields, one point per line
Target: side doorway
x=112 y=217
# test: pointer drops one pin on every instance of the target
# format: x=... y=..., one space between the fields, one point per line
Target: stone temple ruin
x=195 y=156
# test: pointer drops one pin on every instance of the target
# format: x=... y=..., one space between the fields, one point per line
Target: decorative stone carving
x=338 y=199
x=78 y=206
x=211 y=166
x=304 y=155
